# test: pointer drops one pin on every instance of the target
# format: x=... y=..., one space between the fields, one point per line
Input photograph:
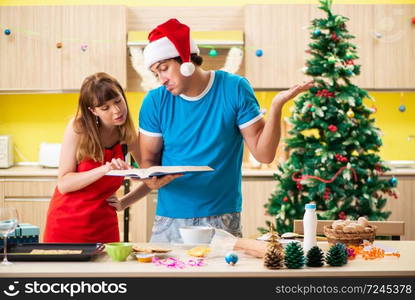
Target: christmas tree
x=333 y=142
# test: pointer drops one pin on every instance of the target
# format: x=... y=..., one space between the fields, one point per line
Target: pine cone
x=274 y=257
x=337 y=255
x=294 y=256
x=315 y=257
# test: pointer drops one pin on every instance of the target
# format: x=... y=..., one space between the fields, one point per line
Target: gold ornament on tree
x=274 y=257
x=350 y=113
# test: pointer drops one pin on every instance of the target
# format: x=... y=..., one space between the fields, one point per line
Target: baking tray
x=21 y=252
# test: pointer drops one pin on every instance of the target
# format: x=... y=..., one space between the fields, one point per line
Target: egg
x=362 y=221
x=349 y=228
x=359 y=228
x=338 y=226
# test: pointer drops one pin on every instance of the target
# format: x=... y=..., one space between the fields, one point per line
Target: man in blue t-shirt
x=200 y=117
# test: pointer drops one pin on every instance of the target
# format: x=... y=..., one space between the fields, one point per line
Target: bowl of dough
x=350 y=232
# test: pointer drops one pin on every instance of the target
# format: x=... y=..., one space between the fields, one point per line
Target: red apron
x=84 y=216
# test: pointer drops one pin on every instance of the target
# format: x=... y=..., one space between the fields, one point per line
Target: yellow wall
x=32 y=119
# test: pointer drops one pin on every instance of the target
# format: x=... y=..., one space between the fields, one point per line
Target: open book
x=158 y=171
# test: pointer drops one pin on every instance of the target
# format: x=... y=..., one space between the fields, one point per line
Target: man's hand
x=284 y=96
x=115 y=202
x=155 y=183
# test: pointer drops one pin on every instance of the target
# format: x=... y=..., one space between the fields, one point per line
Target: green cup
x=118 y=251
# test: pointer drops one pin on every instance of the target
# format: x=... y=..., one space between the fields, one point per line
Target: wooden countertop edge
x=266 y=274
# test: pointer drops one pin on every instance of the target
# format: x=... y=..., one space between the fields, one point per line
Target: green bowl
x=118 y=251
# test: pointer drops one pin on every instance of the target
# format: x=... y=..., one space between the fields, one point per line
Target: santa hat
x=168 y=40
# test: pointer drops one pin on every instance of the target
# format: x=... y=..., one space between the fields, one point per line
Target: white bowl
x=193 y=235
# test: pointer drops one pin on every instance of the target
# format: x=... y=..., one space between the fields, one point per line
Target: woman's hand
x=155 y=183
x=115 y=202
x=284 y=96
x=116 y=164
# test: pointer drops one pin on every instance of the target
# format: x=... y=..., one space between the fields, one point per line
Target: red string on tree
x=302 y=177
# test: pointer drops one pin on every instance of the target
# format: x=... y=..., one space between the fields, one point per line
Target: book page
x=158 y=171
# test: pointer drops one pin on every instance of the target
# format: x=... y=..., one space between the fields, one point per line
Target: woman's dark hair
x=196 y=59
x=95 y=91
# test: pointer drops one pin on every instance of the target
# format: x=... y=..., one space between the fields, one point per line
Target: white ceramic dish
x=196 y=235
x=188 y=246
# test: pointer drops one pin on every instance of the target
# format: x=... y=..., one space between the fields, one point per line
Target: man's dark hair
x=196 y=59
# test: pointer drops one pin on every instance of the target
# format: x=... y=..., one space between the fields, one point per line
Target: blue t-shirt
x=203 y=130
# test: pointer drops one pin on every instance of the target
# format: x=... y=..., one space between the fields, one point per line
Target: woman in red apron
x=83 y=206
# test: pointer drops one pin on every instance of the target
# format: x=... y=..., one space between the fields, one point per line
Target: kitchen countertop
x=28 y=171
x=34 y=171
x=247 y=266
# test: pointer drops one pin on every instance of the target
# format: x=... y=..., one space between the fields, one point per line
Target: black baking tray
x=21 y=252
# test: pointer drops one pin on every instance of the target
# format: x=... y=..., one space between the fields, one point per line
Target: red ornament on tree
x=332 y=128
x=334 y=37
x=378 y=167
x=327 y=194
x=325 y=93
x=341 y=158
x=299 y=186
x=285 y=199
x=342 y=215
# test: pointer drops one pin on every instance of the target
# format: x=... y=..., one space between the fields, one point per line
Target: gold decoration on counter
x=150 y=249
x=274 y=257
x=199 y=251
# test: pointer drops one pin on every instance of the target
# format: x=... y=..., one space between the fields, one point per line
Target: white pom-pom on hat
x=187 y=69
x=168 y=40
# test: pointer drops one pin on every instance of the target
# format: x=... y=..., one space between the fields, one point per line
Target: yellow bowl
x=118 y=251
